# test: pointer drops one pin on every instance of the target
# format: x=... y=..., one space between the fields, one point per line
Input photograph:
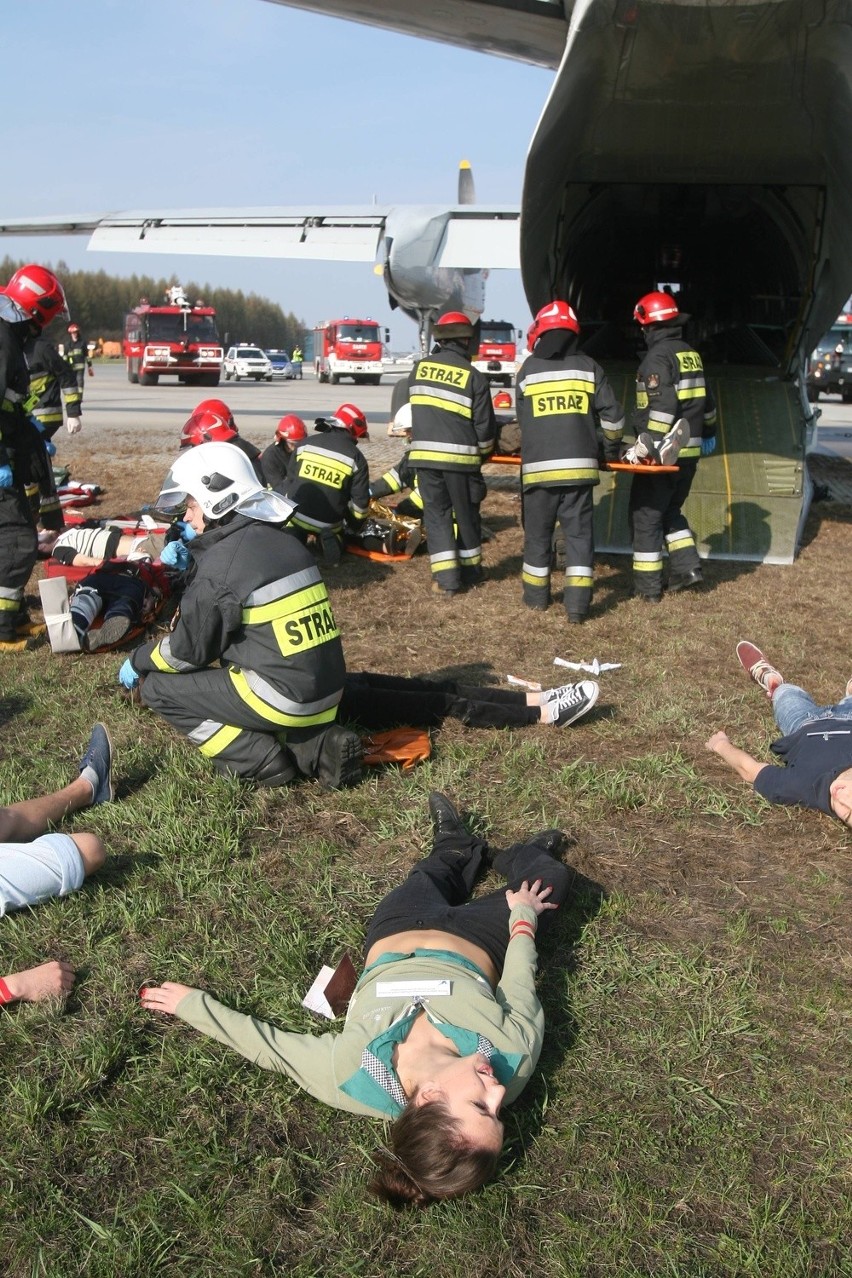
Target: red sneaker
x=758 y=668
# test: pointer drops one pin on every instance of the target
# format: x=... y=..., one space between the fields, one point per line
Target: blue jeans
x=793 y=708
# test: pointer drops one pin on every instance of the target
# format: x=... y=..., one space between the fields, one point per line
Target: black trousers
x=656 y=520
x=436 y=894
x=574 y=510
x=238 y=741
x=453 y=527
x=380 y=701
x=18 y=554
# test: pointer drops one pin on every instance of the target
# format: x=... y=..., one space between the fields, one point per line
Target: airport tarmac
x=115 y=412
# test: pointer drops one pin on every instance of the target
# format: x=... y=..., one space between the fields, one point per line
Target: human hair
x=429 y=1159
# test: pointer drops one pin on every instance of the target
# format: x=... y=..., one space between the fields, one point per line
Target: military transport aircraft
x=433 y=258
x=699 y=146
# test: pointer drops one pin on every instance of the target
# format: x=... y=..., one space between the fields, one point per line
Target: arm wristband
x=6 y=996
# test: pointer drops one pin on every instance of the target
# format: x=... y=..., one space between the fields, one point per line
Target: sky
x=212 y=103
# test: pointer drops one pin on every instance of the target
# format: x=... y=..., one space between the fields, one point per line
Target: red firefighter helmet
x=502 y=400
x=34 y=293
x=451 y=325
x=291 y=428
x=211 y=422
x=555 y=315
x=350 y=417
x=655 y=308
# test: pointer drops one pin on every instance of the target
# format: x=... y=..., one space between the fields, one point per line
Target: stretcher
x=642 y=468
x=378 y=556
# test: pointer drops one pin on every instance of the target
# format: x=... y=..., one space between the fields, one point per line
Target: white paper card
x=315 y=999
x=413 y=989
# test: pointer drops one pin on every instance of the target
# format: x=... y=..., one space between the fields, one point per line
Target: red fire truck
x=172 y=340
x=498 y=351
x=349 y=348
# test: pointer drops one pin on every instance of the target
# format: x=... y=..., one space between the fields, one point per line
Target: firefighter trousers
x=573 y=508
x=657 y=521
x=206 y=708
x=453 y=528
x=18 y=554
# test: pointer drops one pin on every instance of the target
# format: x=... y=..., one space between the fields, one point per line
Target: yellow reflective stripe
x=578 y=581
x=689 y=452
x=680 y=542
x=279 y=717
x=285 y=606
x=10 y=605
x=219 y=741
x=587 y=475
x=693 y=392
x=450 y=459
x=560 y=386
x=160 y=662
x=432 y=401
x=541 y=582
x=653 y=565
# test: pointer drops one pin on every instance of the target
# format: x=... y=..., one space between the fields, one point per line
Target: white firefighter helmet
x=222 y=480
x=401 y=423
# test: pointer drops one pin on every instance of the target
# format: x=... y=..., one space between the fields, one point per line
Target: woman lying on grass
x=444 y=1025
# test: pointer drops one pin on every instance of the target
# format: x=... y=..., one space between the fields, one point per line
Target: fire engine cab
x=349 y=348
x=173 y=340
x=498 y=352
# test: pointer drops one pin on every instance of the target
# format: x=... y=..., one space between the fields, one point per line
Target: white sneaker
x=568 y=703
x=678 y=437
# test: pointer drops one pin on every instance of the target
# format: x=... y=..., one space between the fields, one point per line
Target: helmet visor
x=172 y=497
x=11 y=311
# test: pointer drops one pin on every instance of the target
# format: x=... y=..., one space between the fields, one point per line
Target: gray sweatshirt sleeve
x=309 y=1059
x=516 y=992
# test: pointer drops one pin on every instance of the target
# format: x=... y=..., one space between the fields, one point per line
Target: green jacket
x=510 y=1016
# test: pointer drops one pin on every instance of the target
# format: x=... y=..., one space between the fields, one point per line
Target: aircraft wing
x=524 y=30
x=475 y=237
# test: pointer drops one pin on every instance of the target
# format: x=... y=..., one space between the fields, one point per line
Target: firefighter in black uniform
x=53 y=386
x=669 y=385
x=276 y=459
x=77 y=355
x=252 y=671
x=452 y=432
x=32 y=298
x=329 y=480
x=212 y=422
x=562 y=396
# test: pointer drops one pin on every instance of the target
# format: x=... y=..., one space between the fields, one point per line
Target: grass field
x=691 y=1115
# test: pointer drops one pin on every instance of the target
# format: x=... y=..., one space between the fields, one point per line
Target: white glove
x=75 y=425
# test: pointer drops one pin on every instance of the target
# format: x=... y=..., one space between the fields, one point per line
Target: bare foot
x=38 y=983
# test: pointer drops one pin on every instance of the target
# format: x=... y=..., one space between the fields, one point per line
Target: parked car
x=246 y=361
x=281 y=366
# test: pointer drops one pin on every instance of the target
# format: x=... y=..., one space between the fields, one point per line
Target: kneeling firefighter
x=255 y=601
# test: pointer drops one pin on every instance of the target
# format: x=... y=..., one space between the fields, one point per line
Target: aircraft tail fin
x=467 y=190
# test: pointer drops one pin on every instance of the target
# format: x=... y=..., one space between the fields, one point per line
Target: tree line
x=98 y=302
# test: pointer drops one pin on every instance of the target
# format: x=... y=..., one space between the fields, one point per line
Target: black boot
x=445 y=817
x=341 y=758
